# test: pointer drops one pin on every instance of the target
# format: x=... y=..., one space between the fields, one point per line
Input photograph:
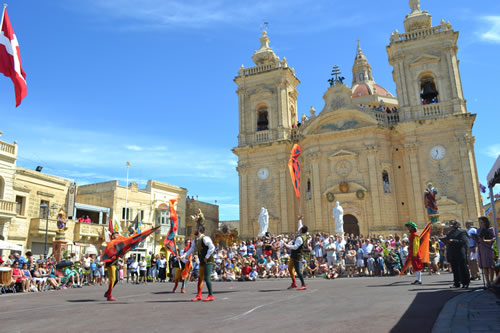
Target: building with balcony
x=8 y=157
x=372 y=151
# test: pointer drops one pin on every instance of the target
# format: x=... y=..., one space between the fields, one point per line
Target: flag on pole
x=294 y=166
x=10 y=58
x=116 y=224
x=170 y=239
x=423 y=248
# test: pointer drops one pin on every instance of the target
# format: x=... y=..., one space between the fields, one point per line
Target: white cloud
x=134 y=147
x=493 y=32
x=493 y=150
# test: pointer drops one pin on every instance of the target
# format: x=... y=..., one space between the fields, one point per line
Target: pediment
x=425 y=59
x=342 y=154
x=340 y=120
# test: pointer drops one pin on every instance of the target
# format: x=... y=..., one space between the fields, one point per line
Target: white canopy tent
x=4 y=245
x=493 y=179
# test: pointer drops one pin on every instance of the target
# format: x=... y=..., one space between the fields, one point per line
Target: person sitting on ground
x=283 y=269
x=245 y=272
x=22 y=282
x=312 y=268
x=71 y=278
x=332 y=272
x=39 y=280
x=253 y=275
x=28 y=276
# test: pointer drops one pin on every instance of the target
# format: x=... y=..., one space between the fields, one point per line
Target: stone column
x=316 y=189
x=284 y=207
x=372 y=150
x=244 y=222
x=471 y=187
x=415 y=183
x=59 y=245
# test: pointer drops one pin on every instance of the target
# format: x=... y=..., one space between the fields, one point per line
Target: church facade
x=373 y=152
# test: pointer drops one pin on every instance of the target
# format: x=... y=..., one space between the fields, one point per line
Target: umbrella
x=121 y=245
x=9 y=246
x=64 y=263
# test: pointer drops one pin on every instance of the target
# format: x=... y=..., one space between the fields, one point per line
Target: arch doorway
x=351 y=225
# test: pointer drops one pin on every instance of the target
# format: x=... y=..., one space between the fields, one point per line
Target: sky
x=151 y=81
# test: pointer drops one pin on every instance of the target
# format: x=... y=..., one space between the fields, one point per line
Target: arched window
x=386 y=182
x=428 y=91
x=2 y=187
x=262 y=120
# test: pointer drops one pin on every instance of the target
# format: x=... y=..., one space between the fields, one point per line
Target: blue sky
x=151 y=81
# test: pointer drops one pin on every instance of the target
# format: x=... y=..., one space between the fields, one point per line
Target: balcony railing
x=7 y=147
x=7 y=207
x=385 y=118
x=88 y=230
x=37 y=226
x=431 y=111
x=263 y=136
x=422 y=33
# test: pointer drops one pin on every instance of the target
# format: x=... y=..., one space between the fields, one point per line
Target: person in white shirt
x=295 y=263
x=205 y=249
x=143 y=270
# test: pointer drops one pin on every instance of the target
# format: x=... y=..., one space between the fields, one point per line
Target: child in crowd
x=370 y=263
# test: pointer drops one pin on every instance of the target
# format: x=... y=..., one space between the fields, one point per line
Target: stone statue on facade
x=414 y=5
x=62 y=220
x=338 y=214
x=263 y=221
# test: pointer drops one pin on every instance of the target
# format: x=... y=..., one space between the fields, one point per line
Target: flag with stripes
x=294 y=166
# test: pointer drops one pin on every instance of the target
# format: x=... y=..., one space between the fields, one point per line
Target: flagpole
x=3 y=14
x=126 y=199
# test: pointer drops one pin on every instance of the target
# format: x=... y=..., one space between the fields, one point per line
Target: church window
x=308 y=193
x=386 y=182
x=262 y=120
x=361 y=76
x=428 y=91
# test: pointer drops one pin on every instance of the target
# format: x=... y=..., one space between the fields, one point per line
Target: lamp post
x=45 y=208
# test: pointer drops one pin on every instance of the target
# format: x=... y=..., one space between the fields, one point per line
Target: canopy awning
x=494 y=174
x=9 y=246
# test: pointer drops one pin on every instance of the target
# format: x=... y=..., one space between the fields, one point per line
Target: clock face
x=437 y=152
x=263 y=173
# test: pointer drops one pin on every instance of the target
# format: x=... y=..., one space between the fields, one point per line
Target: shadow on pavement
x=424 y=310
x=81 y=300
x=397 y=283
x=171 y=301
x=270 y=290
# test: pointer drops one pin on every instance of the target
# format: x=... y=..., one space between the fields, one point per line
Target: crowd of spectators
x=325 y=256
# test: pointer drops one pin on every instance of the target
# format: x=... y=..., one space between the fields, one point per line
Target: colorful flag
x=423 y=249
x=170 y=239
x=187 y=267
x=294 y=166
x=121 y=245
x=117 y=227
x=10 y=58
x=482 y=188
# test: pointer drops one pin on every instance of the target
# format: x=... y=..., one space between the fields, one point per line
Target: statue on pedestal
x=338 y=214
x=414 y=5
x=430 y=203
x=263 y=221
x=62 y=220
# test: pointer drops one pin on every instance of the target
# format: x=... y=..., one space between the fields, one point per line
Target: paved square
x=356 y=304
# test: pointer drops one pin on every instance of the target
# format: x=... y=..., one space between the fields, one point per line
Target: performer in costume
x=180 y=267
x=295 y=263
x=414 y=253
x=204 y=248
x=112 y=270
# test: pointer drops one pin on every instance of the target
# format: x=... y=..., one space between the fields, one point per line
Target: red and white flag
x=10 y=58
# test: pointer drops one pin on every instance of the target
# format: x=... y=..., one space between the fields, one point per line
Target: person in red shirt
x=414 y=252
x=18 y=275
x=245 y=272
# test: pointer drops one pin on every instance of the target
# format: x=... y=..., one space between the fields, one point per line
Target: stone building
x=8 y=157
x=138 y=208
x=373 y=152
x=210 y=211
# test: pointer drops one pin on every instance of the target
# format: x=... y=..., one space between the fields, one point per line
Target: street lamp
x=45 y=208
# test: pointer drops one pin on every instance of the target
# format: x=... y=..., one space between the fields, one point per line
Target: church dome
x=368 y=88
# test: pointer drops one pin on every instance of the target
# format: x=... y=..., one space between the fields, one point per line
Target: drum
x=5 y=275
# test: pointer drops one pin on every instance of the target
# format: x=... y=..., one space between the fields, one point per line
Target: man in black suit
x=458 y=244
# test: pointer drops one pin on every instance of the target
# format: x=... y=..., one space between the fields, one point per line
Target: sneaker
x=292 y=286
x=304 y=287
x=208 y=299
x=416 y=282
x=197 y=298
x=183 y=291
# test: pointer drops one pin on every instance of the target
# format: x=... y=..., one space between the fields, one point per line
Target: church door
x=351 y=225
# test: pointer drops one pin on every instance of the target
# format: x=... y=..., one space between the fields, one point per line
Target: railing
x=262 y=136
x=419 y=34
x=386 y=118
x=38 y=225
x=7 y=207
x=260 y=69
x=431 y=110
x=7 y=147
x=295 y=134
x=88 y=230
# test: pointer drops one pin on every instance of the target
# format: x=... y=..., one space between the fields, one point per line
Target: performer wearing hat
x=111 y=268
x=295 y=263
x=204 y=248
x=414 y=252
